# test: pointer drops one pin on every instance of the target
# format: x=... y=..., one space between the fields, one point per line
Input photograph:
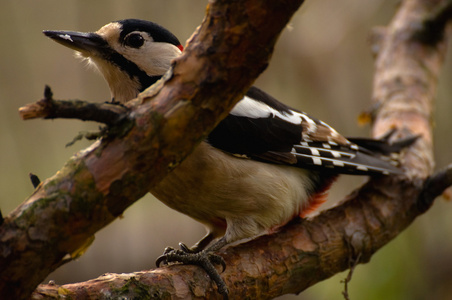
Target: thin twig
x=349 y=276
x=433 y=187
x=35 y=181
x=49 y=108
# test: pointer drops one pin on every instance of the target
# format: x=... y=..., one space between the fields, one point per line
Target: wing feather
x=261 y=128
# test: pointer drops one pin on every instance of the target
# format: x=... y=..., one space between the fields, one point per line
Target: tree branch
x=48 y=108
x=433 y=187
x=97 y=184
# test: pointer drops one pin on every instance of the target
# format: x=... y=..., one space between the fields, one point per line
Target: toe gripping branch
x=206 y=259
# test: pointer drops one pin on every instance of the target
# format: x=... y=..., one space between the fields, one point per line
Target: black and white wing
x=261 y=128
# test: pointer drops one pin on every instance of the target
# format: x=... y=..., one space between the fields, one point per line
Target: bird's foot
x=205 y=259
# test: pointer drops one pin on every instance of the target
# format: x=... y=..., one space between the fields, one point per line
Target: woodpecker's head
x=131 y=54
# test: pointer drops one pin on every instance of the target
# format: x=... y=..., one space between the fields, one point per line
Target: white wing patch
x=316 y=151
x=319 y=161
x=323 y=155
x=328 y=151
x=247 y=107
x=338 y=163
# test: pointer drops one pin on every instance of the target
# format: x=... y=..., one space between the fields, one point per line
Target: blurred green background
x=322 y=65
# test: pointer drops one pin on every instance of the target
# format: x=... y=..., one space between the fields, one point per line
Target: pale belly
x=250 y=196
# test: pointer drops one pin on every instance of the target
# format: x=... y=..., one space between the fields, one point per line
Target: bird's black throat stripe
x=130 y=68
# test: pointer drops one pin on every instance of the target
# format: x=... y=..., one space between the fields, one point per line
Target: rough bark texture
x=298 y=256
x=226 y=54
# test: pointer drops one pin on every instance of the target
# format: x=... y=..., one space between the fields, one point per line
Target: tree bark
x=86 y=195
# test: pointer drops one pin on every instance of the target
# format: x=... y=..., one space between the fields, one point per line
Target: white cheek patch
x=153 y=58
x=247 y=107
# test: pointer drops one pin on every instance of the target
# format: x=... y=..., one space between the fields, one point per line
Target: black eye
x=134 y=40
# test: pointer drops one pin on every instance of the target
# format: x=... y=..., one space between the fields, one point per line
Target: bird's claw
x=187 y=249
x=205 y=259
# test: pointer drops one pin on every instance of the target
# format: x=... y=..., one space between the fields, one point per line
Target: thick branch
x=226 y=54
x=298 y=256
x=307 y=251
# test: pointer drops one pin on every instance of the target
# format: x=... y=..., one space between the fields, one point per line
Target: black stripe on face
x=129 y=67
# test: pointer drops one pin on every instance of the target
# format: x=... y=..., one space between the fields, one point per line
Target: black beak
x=87 y=43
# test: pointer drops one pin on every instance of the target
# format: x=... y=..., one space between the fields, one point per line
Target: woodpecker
x=263 y=165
